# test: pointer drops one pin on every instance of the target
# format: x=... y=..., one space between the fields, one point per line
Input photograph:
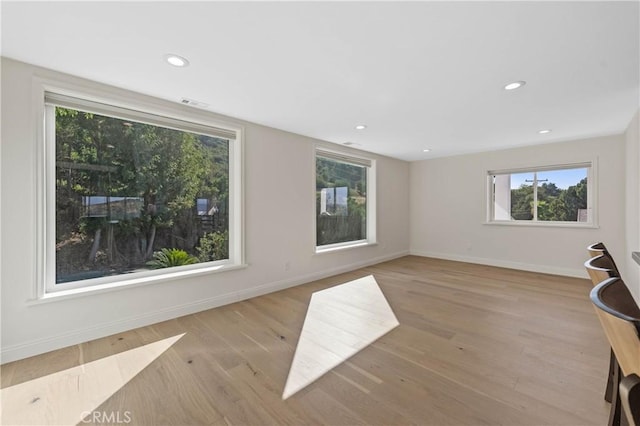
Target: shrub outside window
x=344 y=200
x=555 y=194
x=134 y=193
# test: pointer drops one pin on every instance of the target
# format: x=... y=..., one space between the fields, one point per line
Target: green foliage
x=522 y=203
x=213 y=246
x=167 y=258
x=330 y=173
x=164 y=170
x=357 y=207
x=89 y=225
x=554 y=204
x=341 y=224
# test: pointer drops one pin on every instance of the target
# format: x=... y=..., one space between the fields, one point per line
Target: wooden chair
x=620 y=318
x=597 y=249
x=630 y=398
x=600 y=268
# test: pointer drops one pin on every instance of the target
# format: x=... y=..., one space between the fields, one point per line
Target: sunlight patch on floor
x=340 y=321
x=66 y=397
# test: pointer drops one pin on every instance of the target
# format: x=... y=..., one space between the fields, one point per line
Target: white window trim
x=592 y=195
x=371 y=239
x=45 y=288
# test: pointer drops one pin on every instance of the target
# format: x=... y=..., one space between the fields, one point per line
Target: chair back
x=620 y=318
x=597 y=249
x=630 y=398
x=600 y=268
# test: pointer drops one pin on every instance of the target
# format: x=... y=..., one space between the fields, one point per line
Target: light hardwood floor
x=340 y=322
x=476 y=345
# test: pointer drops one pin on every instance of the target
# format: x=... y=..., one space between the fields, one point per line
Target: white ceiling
x=418 y=74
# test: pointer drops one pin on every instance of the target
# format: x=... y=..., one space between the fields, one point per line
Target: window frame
x=156 y=112
x=371 y=204
x=592 y=204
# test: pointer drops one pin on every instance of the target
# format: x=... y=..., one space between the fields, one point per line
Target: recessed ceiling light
x=515 y=85
x=176 y=60
x=361 y=127
x=426 y=150
x=544 y=131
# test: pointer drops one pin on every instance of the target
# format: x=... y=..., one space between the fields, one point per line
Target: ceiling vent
x=193 y=103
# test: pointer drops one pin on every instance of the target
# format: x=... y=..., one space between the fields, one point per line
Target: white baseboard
x=39 y=346
x=543 y=269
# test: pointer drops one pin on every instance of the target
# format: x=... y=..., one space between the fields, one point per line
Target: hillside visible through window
x=131 y=196
x=341 y=202
x=545 y=195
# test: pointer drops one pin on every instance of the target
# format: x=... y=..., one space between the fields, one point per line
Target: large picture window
x=344 y=200
x=556 y=194
x=134 y=194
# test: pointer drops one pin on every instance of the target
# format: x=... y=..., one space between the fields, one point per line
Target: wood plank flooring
x=476 y=345
x=340 y=322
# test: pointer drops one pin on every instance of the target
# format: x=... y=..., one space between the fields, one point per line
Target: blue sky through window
x=562 y=178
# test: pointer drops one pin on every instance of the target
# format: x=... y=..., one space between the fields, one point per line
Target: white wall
x=631 y=273
x=279 y=212
x=448 y=209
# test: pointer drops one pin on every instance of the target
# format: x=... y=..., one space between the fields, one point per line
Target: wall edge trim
x=521 y=266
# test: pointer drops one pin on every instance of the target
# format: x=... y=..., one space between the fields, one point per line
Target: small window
x=560 y=194
x=131 y=194
x=344 y=200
